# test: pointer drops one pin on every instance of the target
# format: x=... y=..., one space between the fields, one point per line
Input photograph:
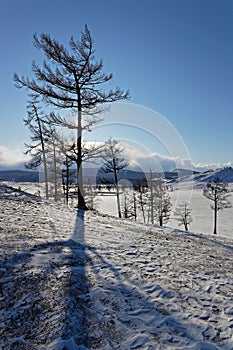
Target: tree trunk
x=142 y=208
x=126 y=208
x=45 y=176
x=55 y=171
x=135 y=206
x=81 y=200
x=215 y=212
x=152 y=201
x=185 y=218
x=43 y=156
x=161 y=220
x=117 y=190
x=67 y=182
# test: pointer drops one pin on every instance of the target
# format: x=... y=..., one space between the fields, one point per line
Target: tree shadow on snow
x=46 y=301
x=44 y=294
x=128 y=307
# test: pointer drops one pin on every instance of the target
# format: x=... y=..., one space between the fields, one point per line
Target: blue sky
x=175 y=56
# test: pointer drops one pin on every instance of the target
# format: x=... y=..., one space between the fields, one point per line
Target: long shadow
x=135 y=304
x=44 y=294
x=33 y=318
x=77 y=294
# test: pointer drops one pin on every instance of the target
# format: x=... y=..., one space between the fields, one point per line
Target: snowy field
x=190 y=192
x=201 y=213
x=75 y=281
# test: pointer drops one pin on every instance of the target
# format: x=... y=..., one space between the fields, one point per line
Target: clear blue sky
x=176 y=57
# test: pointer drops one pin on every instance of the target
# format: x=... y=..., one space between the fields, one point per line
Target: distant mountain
x=135 y=177
x=184 y=172
x=19 y=176
x=124 y=176
x=224 y=175
x=95 y=176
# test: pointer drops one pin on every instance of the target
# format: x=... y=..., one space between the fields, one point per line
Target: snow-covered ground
x=74 y=280
x=201 y=212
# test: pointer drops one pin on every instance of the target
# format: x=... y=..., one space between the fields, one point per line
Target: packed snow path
x=84 y=281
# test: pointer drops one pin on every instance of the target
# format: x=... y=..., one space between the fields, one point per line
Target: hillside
x=86 y=281
x=225 y=175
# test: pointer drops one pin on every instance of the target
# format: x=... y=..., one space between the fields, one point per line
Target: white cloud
x=141 y=157
x=161 y=163
x=12 y=158
x=206 y=166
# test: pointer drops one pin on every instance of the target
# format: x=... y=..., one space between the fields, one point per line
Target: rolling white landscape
x=82 y=280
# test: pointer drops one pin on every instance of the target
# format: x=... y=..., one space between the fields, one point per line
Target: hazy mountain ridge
x=19 y=175
x=93 y=175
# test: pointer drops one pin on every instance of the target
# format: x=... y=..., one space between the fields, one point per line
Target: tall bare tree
x=72 y=79
x=218 y=193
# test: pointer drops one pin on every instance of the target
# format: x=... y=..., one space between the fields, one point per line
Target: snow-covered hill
x=73 y=280
x=225 y=175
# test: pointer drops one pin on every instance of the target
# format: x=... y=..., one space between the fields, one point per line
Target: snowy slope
x=225 y=175
x=85 y=281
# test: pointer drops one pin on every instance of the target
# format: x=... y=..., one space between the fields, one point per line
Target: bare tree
x=55 y=161
x=142 y=203
x=72 y=79
x=141 y=198
x=113 y=163
x=36 y=123
x=183 y=215
x=218 y=193
x=150 y=198
x=129 y=204
x=158 y=200
x=162 y=202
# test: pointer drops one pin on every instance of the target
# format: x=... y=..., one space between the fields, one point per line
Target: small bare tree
x=113 y=163
x=141 y=192
x=218 y=193
x=36 y=123
x=158 y=200
x=162 y=202
x=129 y=204
x=183 y=215
x=55 y=161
